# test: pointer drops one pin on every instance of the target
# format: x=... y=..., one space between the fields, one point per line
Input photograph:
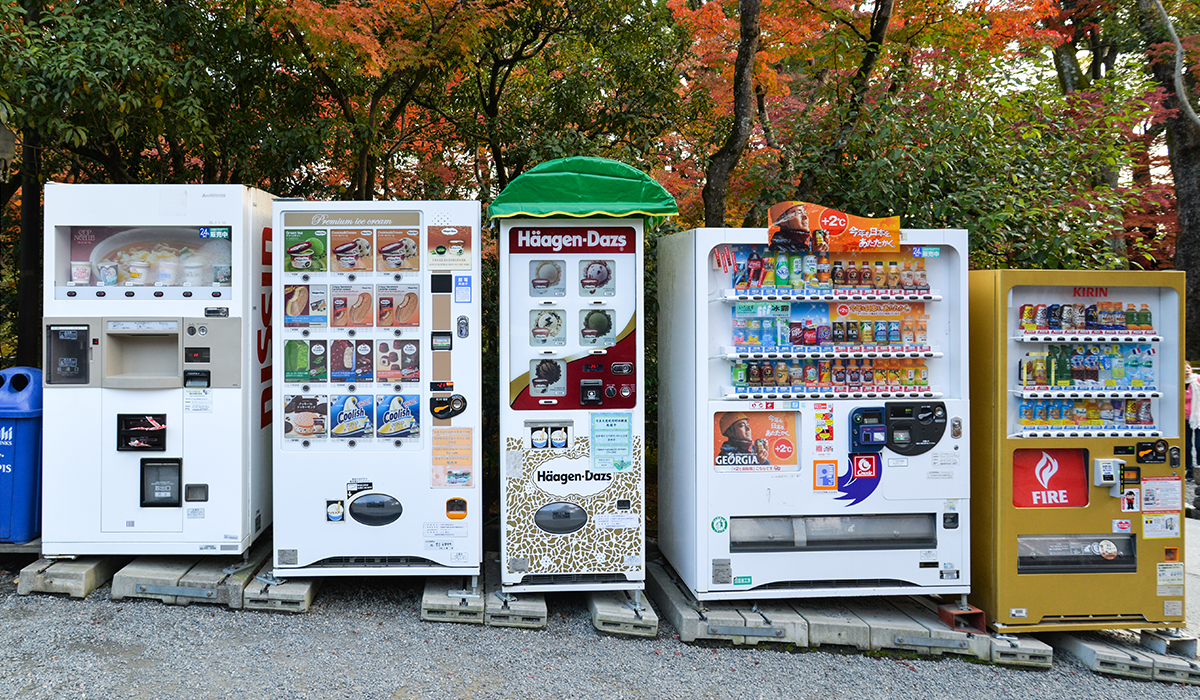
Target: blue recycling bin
x=20 y=454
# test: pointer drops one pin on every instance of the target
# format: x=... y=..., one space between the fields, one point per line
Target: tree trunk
x=1183 y=149
x=29 y=280
x=716 y=182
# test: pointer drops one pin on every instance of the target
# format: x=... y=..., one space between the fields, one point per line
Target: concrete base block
x=623 y=612
x=1173 y=669
x=673 y=601
x=524 y=610
x=75 y=577
x=1024 y=651
x=158 y=578
x=451 y=599
x=1169 y=642
x=1102 y=656
x=831 y=622
x=290 y=595
x=891 y=629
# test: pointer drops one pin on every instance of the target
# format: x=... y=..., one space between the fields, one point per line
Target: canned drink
x=852 y=336
x=796 y=333
x=1068 y=317
x=1145 y=416
x=782 y=374
x=753 y=374
x=1090 y=320
x=1131 y=411
x=824 y=335
x=767 y=373
x=1118 y=410
x=893 y=332
x=739 y=374
x=867 y=333
x=824 y=372
x=1054 y=313
x=1027 y=313
x=881 y=332
x=796 y=374
x=1041 y=319
x=838 y=334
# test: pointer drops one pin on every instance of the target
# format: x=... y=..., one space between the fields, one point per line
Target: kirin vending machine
x=813 y=414
x=377 y=443
x=1079 y=475
x=158 y=369
x=572 y=400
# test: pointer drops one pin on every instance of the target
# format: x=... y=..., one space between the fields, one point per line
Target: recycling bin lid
x=20 y=392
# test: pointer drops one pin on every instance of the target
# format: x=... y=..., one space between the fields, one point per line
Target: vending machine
x=813 y=415
x=1078 y=485
x=572 y=403
x=157 y=380
x=377 y=445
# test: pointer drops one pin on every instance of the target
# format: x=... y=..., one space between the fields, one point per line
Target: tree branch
x=1184 y=103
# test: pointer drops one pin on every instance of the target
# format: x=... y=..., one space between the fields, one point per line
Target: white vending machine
x=813 y=423
x=377 y=446
x=158 y=367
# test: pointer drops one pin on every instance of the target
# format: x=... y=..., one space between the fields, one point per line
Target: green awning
x=582 y=187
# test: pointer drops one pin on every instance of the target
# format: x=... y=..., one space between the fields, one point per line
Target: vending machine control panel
x=914 y=428
x=867 y=429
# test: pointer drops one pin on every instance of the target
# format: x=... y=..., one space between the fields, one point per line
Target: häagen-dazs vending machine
x=813 y=414
x=1079 y=473
x=572 y=375
x=377 y=439
x=158 y=369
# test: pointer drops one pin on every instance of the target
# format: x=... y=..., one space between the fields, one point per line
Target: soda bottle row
x=1074 y=318
x=1103 y=366
x=814 y=271
x=775 y=332
x=813 y=375
x=1094 y=413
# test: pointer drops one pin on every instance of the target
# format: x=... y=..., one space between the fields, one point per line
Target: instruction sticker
x=1162 y=494
x=197 y=401
x=1160 y=527
x=612 y=441
x=453 y=458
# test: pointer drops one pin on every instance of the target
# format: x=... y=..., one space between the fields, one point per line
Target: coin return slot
x=197 y=493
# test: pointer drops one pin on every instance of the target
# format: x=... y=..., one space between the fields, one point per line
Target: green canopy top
x=582 y=187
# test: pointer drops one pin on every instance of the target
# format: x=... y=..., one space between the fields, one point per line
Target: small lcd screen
x=594 y=367
x=872 y=419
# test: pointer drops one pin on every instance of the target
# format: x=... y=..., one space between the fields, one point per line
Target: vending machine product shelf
x=813 y=423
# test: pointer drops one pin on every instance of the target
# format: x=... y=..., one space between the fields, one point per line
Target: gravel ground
x=363 y=638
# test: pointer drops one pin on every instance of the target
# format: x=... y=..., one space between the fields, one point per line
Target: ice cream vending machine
x=158 y=369
x=813 y=414
x=1079 y=472
x=377 y=443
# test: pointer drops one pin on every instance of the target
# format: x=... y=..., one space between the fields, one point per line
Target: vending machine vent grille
x=550 y=579
x=838 y=583
x=364 y=562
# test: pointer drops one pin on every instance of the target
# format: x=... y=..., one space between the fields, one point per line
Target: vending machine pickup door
x=161 y=479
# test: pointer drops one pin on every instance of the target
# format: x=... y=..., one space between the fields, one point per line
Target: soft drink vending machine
x=1079 y=477
x=158 y=369
x=377 y=444
x=572 y=400
x=813 y=417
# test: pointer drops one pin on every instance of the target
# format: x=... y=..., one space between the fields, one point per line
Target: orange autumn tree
x=822 y=67
x=373 y=58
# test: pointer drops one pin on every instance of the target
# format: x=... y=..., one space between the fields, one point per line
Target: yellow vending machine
x=1078 y=474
